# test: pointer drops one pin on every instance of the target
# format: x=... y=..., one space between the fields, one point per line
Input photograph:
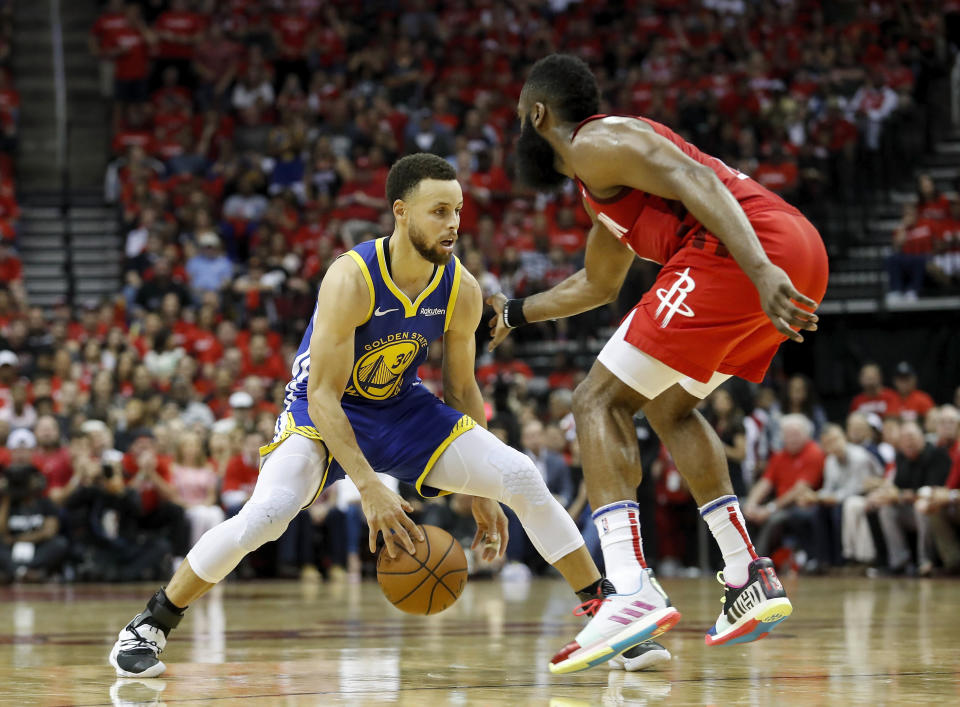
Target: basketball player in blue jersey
x=355 y=406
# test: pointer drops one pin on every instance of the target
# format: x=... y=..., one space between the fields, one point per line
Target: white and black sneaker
x=135 y=654
x=752 y=610
x=647 y=655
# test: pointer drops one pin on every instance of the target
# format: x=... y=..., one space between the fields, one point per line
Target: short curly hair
x=409 y=171
x=565 y=83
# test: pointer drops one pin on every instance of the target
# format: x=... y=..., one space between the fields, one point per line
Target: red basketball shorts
x=703 y=314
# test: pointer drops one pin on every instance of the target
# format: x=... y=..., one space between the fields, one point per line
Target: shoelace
x=139 y=642
x=589 y=608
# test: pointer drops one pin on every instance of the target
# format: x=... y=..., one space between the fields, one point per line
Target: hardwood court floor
x=850 y=641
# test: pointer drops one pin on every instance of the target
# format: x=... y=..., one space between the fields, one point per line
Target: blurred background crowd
x=251 y=142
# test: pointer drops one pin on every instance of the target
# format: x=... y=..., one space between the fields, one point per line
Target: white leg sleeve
x=202 y=519
x=479 y=464
x=289 y=479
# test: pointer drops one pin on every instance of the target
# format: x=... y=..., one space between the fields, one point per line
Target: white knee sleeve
x=289 y=479
x=479 y=464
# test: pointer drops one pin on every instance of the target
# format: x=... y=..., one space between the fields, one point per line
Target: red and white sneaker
x=752 y=610
x=619 y=622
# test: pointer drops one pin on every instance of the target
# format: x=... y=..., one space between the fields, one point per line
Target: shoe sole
x=660 y=622
x=754 y=625
x=152 y=672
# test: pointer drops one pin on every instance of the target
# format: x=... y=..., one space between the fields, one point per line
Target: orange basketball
x=428 y=581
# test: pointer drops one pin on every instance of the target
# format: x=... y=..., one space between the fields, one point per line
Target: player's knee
x=265 y=521
x=523 y=486
x=585 y=398
x=600 y=394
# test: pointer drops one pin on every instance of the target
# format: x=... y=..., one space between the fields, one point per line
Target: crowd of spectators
x=252 y=138
x=11 y=267
x=250 y=147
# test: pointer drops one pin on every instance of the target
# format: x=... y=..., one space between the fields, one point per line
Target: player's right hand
x=498 y=330
x=778 y=298
x=386 y=512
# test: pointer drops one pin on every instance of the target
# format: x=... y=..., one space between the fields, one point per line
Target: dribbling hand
x=386 y=512
x=778 y=297
x=491 y=528
x=498 y=330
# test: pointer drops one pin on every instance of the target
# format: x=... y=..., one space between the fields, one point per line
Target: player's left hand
x=498 y=330
x=778 y=299
x=491 y=528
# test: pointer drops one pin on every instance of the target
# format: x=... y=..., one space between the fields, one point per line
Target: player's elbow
x=603 y=291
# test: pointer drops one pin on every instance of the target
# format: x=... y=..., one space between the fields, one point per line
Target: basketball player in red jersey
x=742 y=272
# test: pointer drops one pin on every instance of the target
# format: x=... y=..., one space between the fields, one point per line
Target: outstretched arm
x=606 y=262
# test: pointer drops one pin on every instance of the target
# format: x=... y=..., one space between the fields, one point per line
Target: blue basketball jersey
x=393 y=340
x=400 y=426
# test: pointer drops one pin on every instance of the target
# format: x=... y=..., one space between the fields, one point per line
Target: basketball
x=428 y=581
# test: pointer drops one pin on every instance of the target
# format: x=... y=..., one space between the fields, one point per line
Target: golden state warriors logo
x=379 y=373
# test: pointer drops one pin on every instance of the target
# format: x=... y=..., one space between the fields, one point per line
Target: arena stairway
x=63 y=212
x=858 y=277
x=96 y=247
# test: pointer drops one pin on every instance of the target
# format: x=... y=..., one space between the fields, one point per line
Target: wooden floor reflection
x=850 y=641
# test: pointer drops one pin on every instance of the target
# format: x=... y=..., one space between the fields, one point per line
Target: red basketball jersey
x=655 y=228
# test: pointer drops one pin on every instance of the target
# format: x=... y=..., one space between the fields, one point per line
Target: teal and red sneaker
x=752 y=610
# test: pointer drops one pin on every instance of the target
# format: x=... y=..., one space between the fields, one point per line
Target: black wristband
x=513 y=313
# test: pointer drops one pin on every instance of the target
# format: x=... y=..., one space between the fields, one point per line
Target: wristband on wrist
x=954 y=495
x=513 y=313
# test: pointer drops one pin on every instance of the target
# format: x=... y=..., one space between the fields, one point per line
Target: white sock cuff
x=717 y=503
x=616 y=506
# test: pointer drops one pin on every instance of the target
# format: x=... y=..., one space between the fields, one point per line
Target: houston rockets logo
x=672 y=300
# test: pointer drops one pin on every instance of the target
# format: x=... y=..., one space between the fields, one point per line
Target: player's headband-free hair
x=409 y=171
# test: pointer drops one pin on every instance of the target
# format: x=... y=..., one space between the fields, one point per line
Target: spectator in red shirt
x=360 y=203
x=131 y=58
x=503 y=365
x=11 y=267
x=566 y=233
x=241 y=474
x=52 y=458
x=9 y=108
x=219 y=399
x=179 y=30
x=259 y=361
x=840 y=134
x=944 y=266
x=103 y=39
x=778 y=172
x=215 y=63
x=293 y=37
x=913 y=243
x=913 y=404
x=873 y=396
x=790 y=474
x=931 y=204
x=148 y=473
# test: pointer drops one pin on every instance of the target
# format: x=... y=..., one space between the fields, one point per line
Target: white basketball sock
x=728 y=527
x=619 y=527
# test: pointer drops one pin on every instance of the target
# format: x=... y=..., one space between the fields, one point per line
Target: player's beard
x=421 y=243
x=535 y=160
